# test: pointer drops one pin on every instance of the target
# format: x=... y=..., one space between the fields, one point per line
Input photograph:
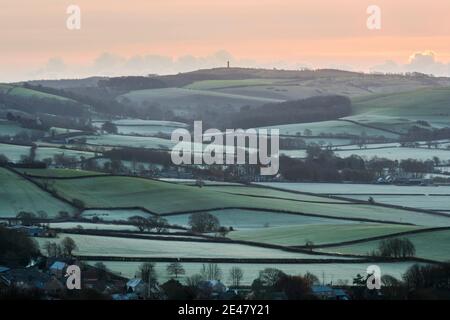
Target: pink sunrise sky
x=166 y=36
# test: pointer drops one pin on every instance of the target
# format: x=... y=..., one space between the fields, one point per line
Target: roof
x=322 y=289
x=3 y=269
x=29 y=276
x=58 y=265
x=134 y=282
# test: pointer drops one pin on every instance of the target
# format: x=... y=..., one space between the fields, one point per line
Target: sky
x=137 y=37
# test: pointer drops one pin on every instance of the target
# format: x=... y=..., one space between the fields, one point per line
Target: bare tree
x=211 y=271
x=236 y=275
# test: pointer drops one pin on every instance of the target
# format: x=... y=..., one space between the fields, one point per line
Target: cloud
x=424 y=62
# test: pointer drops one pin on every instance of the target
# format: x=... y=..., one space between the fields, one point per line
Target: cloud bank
x=424 y=62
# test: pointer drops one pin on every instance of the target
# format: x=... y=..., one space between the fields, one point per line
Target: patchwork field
x=333 y=127
x=254 y=219
x=429 y=245
x=17 y=194
x=123 y=247
x=164 y=198
x=319 y=234
x=222 y=84
x=423 y=197
x=143 y=142
x=181 y=98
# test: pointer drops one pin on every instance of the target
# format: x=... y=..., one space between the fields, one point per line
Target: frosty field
x=318 y=234
x=123 y=247
x=17 y=194
x=429 y=245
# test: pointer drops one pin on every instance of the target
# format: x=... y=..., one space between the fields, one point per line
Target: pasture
x=408 y=104
x=332 y=128
x=18 y=194
x=254 y=219
x=299 y=235
x=15 y=153
x=164 y=198
x=188 y=99
x=126 y=247
x=434 y=245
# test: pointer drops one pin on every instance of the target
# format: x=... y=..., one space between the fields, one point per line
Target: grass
x=188 y=99
x=124 y=247
x=130 y=141
x=250 y=219
x=144 y=127
x=332 y=127
x=163 y=198
x=15 y=152
x=8 y=128
x=17 y=194
x=429 y=245
x=426 y=104
x=92 y=226
x=296 y=235
x=222 y=84
x=358 y=188
x=60 y=173
x=24 y=92
x=114 y=215
x=416 y=201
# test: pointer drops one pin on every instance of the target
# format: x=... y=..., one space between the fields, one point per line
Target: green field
x=60 y=173
x=8 y=128
x=124 y=247
x=188 y=99
x=24 y=92
x=319 y=234
x=163 y=198
x=429 y=245
x=254 y=219
x=144 y=127
x=15 y=153
x=114 y=215
x=92 y=226
x=423 y=104
x=332 y=127
x=222 y=84
x=17 y=194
